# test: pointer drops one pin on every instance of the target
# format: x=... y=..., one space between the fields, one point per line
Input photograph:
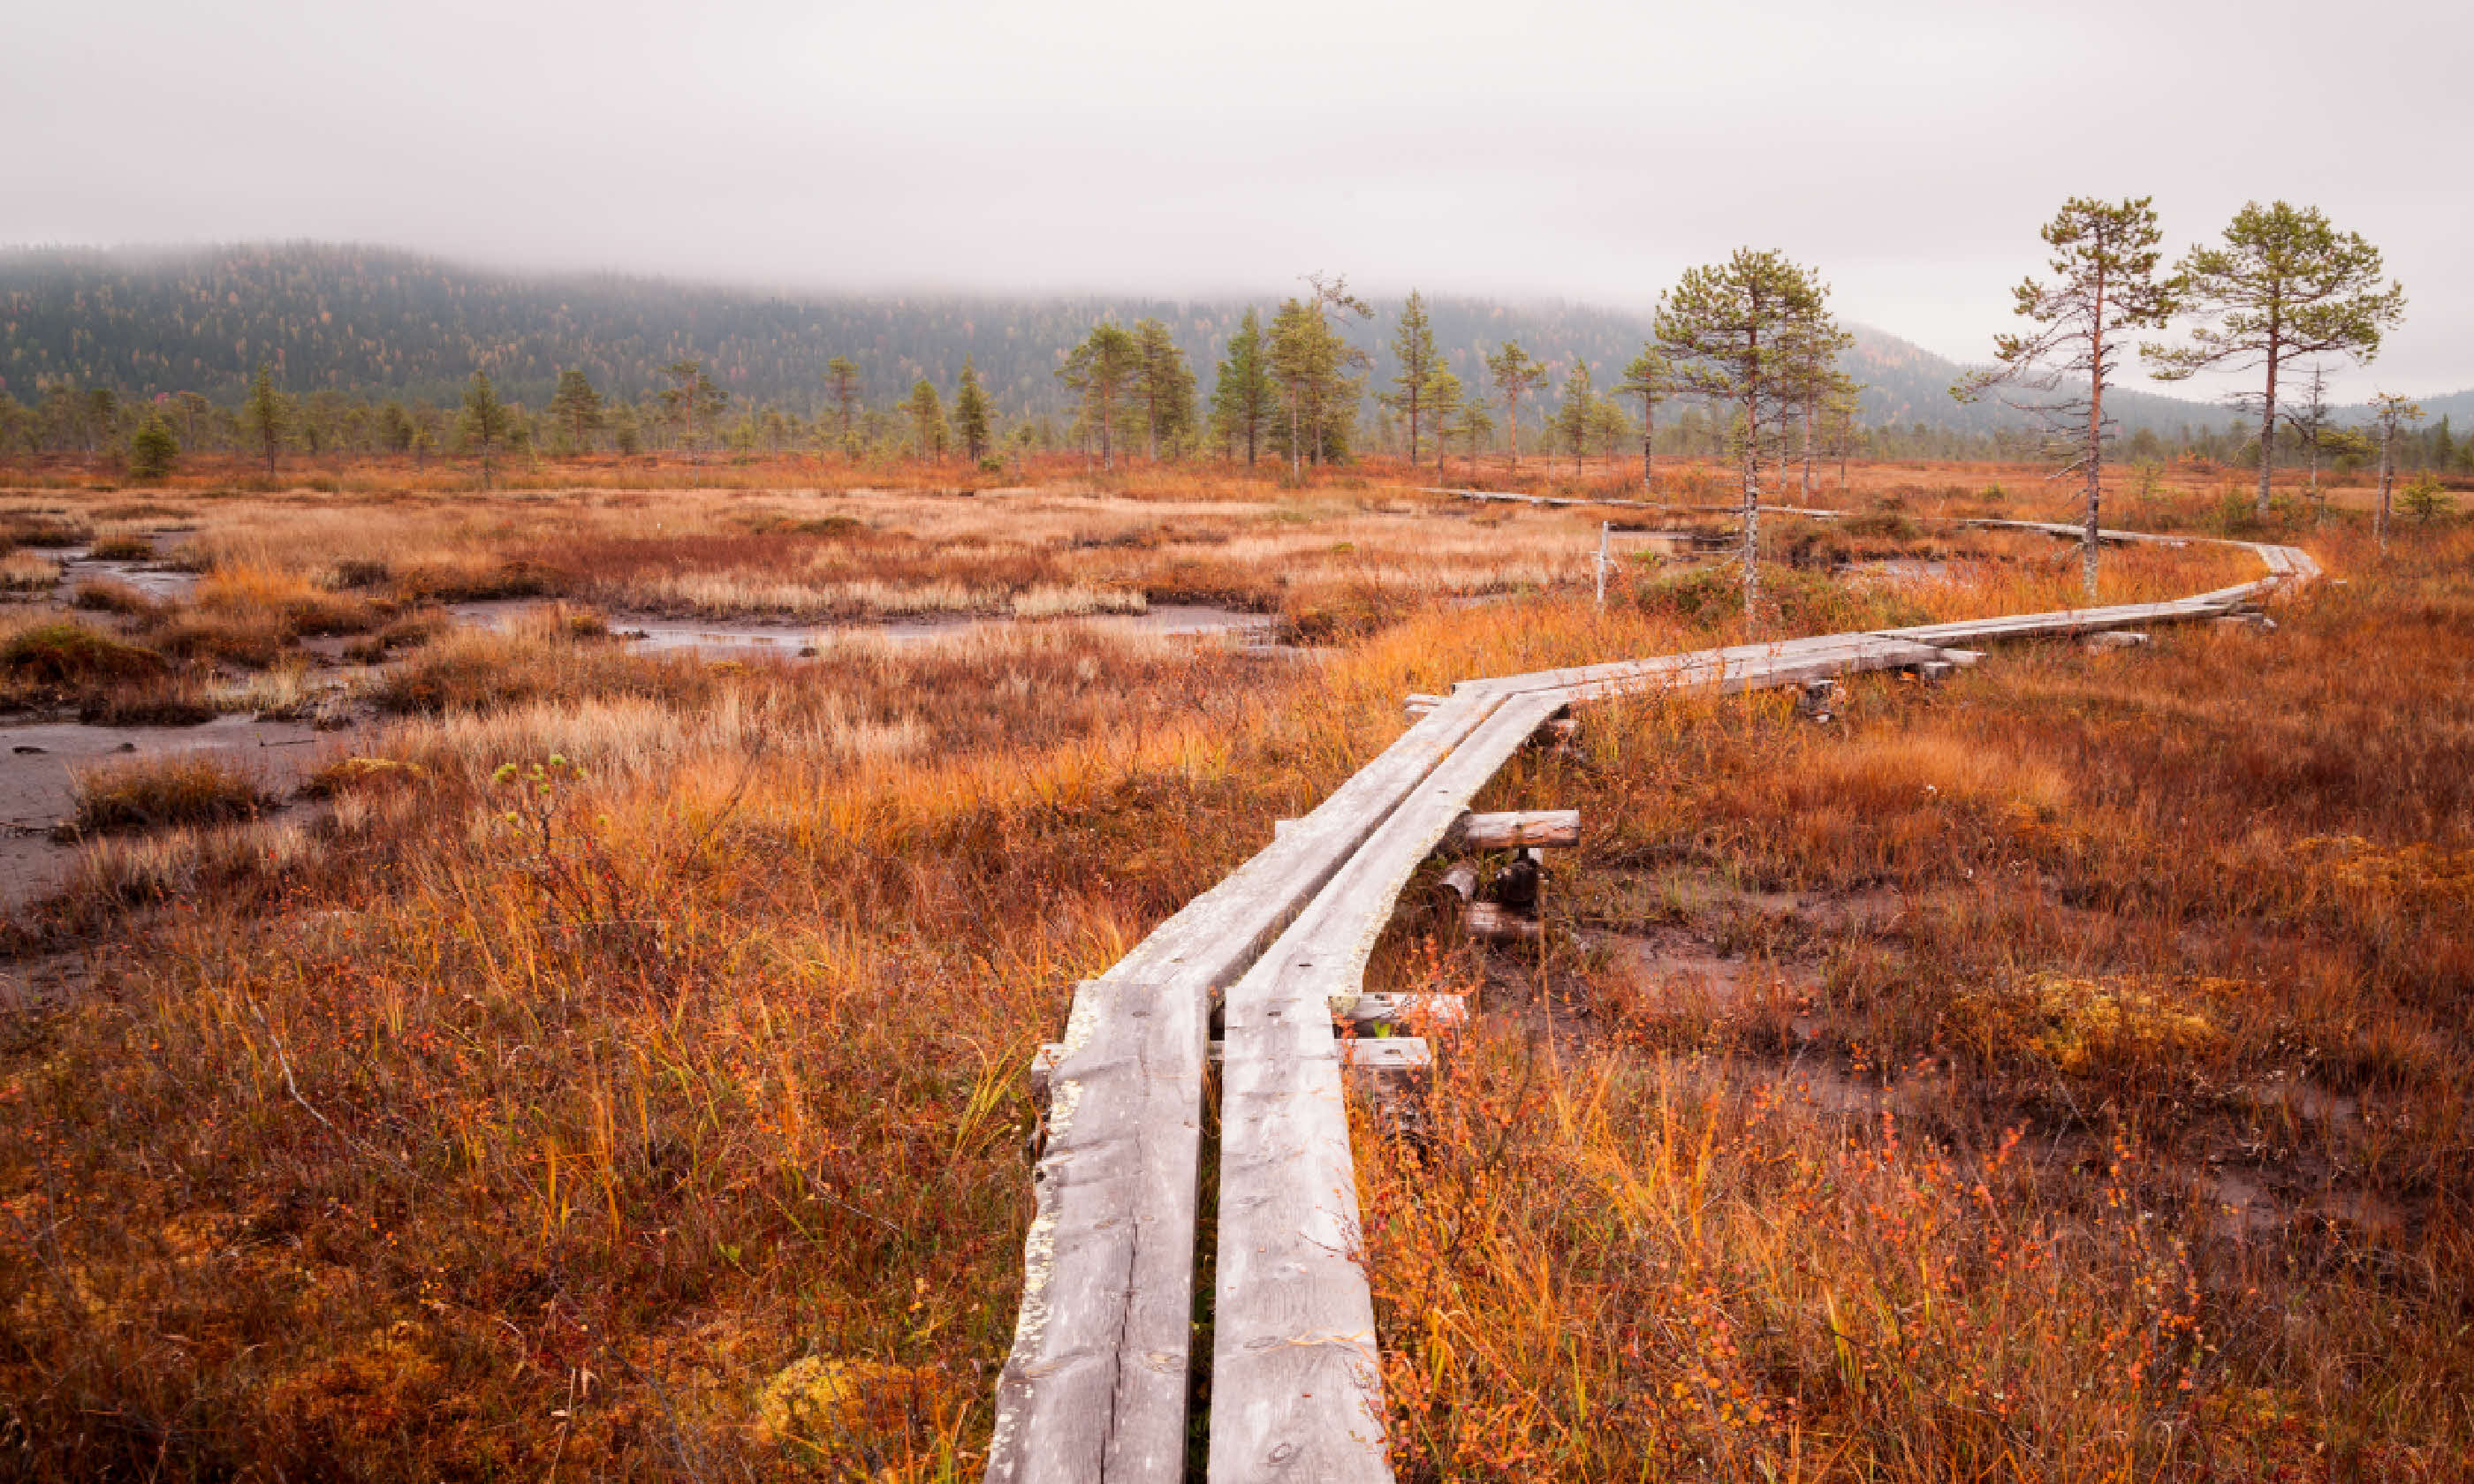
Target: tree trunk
x=1808 y=451
x=1752 y=509
x=1512 y=415
x=2387 y=475
x=1648 y=446
x=2090 y=543
x=2268 y=429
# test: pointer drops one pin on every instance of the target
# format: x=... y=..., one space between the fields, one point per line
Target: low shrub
x=27 y=571
x=122 y=548
x=255 y=640
x=108 y=595
x=65 y=656
x=164 y=792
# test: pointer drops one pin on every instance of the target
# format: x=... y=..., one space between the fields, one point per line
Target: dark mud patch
x=38 y=762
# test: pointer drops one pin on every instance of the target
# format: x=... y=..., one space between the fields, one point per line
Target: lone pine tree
x=927 y=411
x=1514 y=371
x=1413 y=349
x=1443 y=400
x=1099 y=371
x=485 y=425
x=266 y=416
x=971 y=419
x=1731 y=330
x=1572 y=423
x=2104 y=283
x=1651 y=379
x=2285 y=284
x=1165 y=385
x=1246 y=395
x=575 y=410
x=841 y=388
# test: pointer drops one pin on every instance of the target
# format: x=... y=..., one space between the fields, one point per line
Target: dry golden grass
x=622 y=1072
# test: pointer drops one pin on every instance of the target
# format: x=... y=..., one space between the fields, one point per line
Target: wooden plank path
x=1096 y=1385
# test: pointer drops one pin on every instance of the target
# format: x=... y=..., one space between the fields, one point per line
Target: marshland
x=581 y=1054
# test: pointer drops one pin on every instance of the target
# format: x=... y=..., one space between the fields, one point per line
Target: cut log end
x=1514 y=831
x=1492 y=922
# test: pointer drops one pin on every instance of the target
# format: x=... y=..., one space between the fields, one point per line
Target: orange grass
x=621 y=1073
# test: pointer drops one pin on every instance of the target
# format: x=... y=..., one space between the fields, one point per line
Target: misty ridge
x=382 y=323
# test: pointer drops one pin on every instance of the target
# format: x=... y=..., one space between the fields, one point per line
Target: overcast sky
x=1588 y=151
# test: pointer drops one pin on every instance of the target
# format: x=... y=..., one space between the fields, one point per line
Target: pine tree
x=626 y=435
x=1443 y=400
x=971 y=412
x=1571 y=423
x=1165 y=384
x=153 y=450
x=1312 y=363
x=575 y=409
x=486 y=424
x=1649 y=379
x=2312 y=422
x=693 y=401
x=2286 y=284
x=927 y=413
x=1729 y=330
x=1100 y=371
x=1514 y=371
x=1476 y=427
x=1243 y=396
x=2104 y=265
x=841 y=385
x=2390 y=413
x=266 y=416
x=1413 y=349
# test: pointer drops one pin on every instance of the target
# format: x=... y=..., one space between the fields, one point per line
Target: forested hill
x=378 y=321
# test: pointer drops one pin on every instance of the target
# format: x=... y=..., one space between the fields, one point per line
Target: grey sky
x=1909 y=150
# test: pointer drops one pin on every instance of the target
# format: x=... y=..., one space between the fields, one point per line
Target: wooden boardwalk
x=1097 y=1386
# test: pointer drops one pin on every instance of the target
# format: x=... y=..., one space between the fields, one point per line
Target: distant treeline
x=372 y=351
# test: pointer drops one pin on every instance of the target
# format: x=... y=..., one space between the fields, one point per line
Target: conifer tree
x=1476 y=427
x=1244 y=394
x=1729 y=330
x=2286 y=284
x=1649 y=379
x=1572 y=423
x=266 y=416
x=1165 y=385
x=971 y=412
x=575 y=410
x=1413 y=349
x=1443 y=400
x=2312 y=422
x=1100 y=370
x=2105 y=266
x=693 y=401
x=1312 y=363
x=1514 y=371
x=486 y=424
x=153 y=450
x=927 y=411
x=2390 y=413
x=841 y=385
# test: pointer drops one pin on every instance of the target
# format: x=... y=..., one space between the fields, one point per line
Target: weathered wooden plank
x=1095 y=1384
x=1512 y=829
x=1295 y=1389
